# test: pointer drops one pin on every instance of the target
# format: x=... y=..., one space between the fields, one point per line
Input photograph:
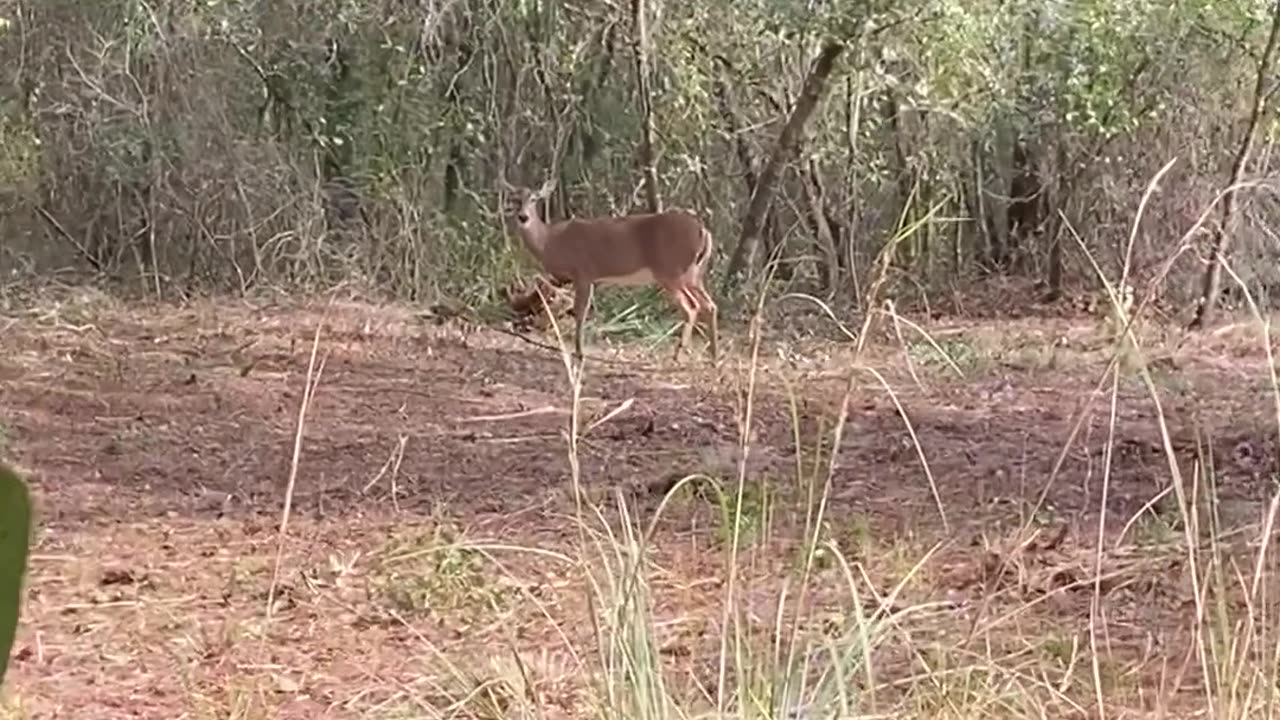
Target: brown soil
x=159 y=442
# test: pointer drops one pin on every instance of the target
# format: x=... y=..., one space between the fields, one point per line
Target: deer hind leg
x=707 y=305
x=582 y=292
x=690 y=306
x=692 y=288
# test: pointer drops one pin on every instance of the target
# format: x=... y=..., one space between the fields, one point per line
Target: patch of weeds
x=495 y=692
x=11 y=708
x=964 y=354
x=856 y=535
x=1042 y=516
x=758 y=502
x=852 y=538
x=241 y=699
x=1046 y=356
x=631 y=314
x=1114 y=679
x=441 y=706
x=490 y=312
x=1160 y=524
x=1171 y=380
x=957 y=688
x=435 y=572
x=81 y=308
x=402 y=710
x=481 y=267
x=962 y=685
x=823 y=557
x=1059 y=649
x=133 y=437
x=896 y=561
x=750 y=512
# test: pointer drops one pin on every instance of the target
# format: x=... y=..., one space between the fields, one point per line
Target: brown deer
x=669 y=249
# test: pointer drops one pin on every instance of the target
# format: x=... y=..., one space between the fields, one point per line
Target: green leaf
x=15 y=537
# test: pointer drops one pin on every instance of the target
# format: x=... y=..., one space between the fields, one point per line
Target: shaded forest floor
x=433 y=539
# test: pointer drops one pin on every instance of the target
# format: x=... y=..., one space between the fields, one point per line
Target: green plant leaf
x=15 y=537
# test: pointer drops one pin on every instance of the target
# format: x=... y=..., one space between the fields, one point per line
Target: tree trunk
x=993 y=251
x=720 y=83
x=788 y=141
x=1211 y=287
x=846 y=240
x=729 y=116
x=640 y=47
x=588 y=143
x=456 y=158
x=1026 y=204
x=829 y=256
x=1054 y=224
x=900 y=169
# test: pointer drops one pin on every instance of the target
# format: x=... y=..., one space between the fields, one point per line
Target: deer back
x=627 y=250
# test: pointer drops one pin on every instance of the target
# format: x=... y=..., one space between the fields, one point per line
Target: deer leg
x=690 y=307
x=709 y=306
x=581 y=302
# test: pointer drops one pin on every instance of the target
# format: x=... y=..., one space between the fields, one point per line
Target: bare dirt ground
x=432 y=526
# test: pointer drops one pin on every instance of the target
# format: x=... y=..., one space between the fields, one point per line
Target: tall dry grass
x=890 y=656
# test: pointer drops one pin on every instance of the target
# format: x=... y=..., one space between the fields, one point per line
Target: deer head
x=522 y=207
x=523 y=202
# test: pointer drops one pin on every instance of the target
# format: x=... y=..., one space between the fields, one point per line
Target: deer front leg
x=581 y=303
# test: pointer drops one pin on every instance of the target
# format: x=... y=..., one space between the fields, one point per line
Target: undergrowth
x=850 y=631
x=822 y=616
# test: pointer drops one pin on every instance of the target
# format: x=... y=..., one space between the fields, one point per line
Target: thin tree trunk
x=720 y=83
x=1211 y=287
x=456 y=158
x=788 y=142
x=640 y=47
x=847 y=243
x=1025 y=215
x=904 y=177
x=815 y=198
x=993 y=252
x=588 y=144
x=720 y=89
x=958 y=239
x=1054 y=224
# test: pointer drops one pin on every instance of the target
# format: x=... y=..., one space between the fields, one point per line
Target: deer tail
x=705 y=253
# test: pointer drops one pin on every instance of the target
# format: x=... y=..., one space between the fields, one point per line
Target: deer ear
x=547 y=188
